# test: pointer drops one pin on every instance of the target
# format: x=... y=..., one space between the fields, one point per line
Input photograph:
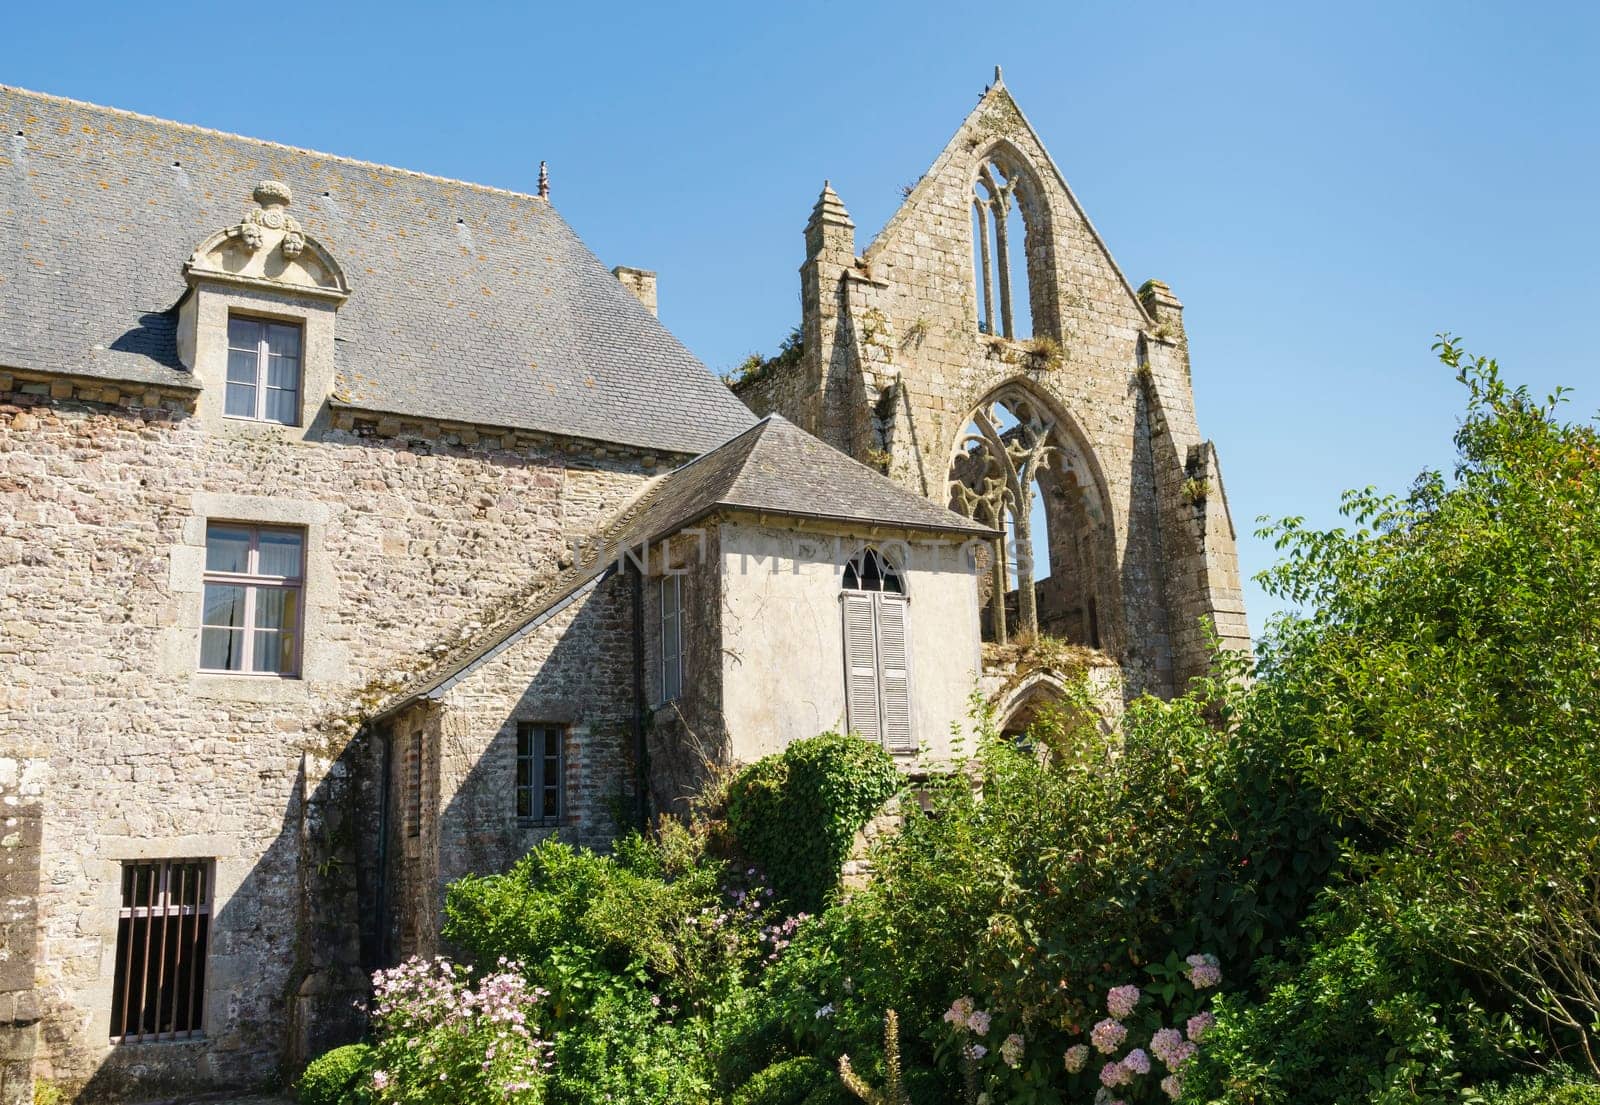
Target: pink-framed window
x=251 y=617
x=263 y=370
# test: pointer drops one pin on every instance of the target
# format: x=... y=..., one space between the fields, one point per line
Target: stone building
x=359 y=528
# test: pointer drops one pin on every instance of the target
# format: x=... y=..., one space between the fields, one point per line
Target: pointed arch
x=1017 y=708
x=1008 y=190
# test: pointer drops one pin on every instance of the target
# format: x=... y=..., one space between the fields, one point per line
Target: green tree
x=1442 y=688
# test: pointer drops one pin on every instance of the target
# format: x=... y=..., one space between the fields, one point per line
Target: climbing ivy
x=796 y=814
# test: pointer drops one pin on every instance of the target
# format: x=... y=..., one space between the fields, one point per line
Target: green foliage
x=831 y=1092
x=894 y=1089
x=1074 y=865
x=641 y=951
x=1440 y=690
x=337 y=1077
x=1363 y=1018
x=797 y=813
x=643 y=913
x=622 y=1048
x=755 y=366
x=1562 y=1086
x=789 y=1082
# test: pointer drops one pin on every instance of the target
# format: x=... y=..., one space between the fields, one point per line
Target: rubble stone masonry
x=413 y=541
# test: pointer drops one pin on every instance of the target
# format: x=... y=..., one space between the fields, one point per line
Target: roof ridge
x=219 y=133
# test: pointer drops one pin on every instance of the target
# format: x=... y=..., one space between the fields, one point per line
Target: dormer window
x=263 y=370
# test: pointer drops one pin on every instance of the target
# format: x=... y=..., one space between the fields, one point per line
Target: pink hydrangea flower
x=380 y=1079
x=1121 y=1000
x=1172 y=1086
x=1165 y=1044
x=1011 y=1050
x=1199 y=1025
x=1204 y=971
x=978 y=1022
x=1114 y=1074
x=1137 y=1061
x=1108 y=1035
x=1077 y=1058
x=959 y=1011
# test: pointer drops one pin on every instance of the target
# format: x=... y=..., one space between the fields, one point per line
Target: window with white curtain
x=250 y=619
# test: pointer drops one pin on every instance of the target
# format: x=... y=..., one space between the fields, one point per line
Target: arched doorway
x=1017 y=469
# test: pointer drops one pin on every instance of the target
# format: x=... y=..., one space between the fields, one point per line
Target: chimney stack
x=641 y=282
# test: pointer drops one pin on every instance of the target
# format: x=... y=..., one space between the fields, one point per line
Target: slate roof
x=467 y=303
x=777 y=468
x=773 y=468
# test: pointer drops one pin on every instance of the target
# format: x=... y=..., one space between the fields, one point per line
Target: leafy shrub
x=338 y=1077
x=1440 y=690
x=586 y=918
x=1073 y=869
x=796 y=814
x=1563 y=1086
x=1362 y=1019
x=643 y=952
x=789 y=1082
x=831 y=1092
x=624 y=1048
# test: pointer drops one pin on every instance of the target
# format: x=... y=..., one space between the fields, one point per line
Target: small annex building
x=650 y=661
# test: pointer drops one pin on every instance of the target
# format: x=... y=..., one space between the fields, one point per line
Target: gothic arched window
x=877 y=654
x=1016 y=469
x=1000 y=259
x=870 y=570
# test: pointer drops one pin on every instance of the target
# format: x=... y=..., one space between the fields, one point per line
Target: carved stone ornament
x=272 y=198
x=268 y=247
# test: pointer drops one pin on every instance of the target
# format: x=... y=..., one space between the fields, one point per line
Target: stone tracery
x=1012 y=452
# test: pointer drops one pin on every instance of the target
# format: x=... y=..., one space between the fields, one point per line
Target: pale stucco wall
x=783 y=638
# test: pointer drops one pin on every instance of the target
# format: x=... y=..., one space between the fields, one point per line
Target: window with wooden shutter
x=877 y=652
x=894 y=673
x=861 y=664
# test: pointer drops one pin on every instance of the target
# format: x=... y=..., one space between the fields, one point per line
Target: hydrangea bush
x=1136 y=1052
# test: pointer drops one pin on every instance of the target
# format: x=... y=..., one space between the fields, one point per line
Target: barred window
x=263 y=371
x=539 y=772
x=163 y=931
x=250 y=620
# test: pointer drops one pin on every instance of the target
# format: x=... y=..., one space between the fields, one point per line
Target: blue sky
x=1323 y=186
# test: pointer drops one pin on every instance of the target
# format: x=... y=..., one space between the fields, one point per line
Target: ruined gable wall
x=929 y=319
x=101 y=543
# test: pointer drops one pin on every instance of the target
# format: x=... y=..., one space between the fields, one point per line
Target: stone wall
x=20 y=824
x=686 y=738
x=576 y=671
x=416 y=540
x=781 y=614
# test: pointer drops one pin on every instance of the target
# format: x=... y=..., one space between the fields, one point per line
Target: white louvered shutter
x=894 y=673
x=861 y=666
